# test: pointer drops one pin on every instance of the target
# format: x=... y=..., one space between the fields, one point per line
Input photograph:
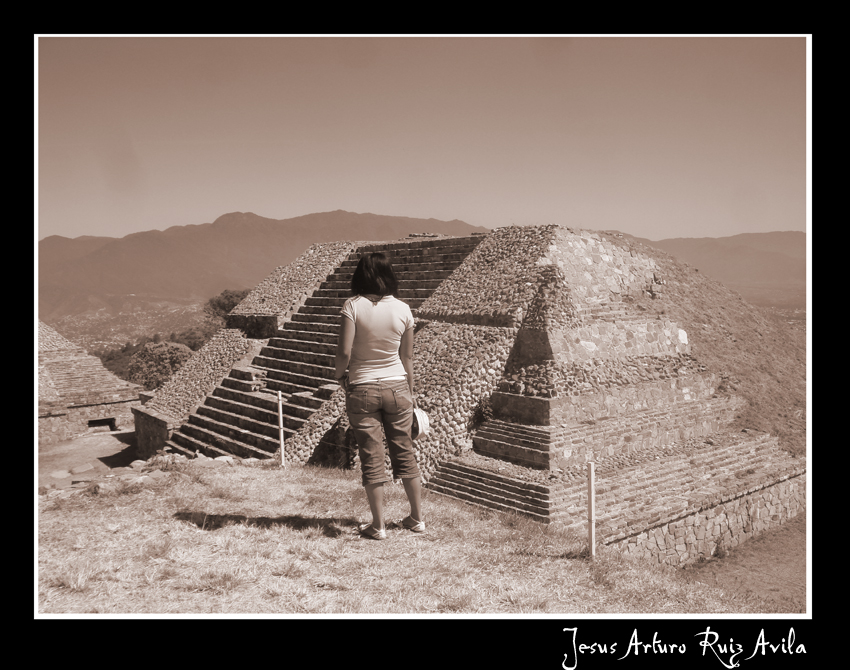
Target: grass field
x=260 y=540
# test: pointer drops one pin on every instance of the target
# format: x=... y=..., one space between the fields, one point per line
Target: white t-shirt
x=378 y=328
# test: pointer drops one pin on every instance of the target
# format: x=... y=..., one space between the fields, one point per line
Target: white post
x=280 y=428
x=591 y=509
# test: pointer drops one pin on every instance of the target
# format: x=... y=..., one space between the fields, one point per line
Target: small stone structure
x=76 y=393
x=531 y=360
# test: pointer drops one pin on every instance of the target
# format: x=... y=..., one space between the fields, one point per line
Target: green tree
x=219 y=306
x=154 y=364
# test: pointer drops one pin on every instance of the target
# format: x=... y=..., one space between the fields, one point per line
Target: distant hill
x=767 y=269
x=196 y=262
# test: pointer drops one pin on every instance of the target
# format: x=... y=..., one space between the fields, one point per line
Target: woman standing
x=374 y=363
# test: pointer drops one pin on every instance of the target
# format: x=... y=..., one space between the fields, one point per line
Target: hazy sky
x=655 y=136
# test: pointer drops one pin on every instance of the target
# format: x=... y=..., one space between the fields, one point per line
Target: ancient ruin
x=76 y=393
x=531 y=361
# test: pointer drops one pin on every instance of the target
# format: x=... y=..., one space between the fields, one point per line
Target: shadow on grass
x=330 y=527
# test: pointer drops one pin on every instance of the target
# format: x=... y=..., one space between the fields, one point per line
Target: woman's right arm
x=405 y=353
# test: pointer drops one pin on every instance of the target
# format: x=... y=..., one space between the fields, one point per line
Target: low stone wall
x=153 y=430
x=674 y=505
x=65 y=423
x=618 y=435
x=684 y=506
x=642 y=431
x=725 y=525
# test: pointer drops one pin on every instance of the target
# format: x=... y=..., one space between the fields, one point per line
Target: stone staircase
x=240 y=416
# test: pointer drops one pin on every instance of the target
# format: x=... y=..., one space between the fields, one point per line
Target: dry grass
x=255 y=540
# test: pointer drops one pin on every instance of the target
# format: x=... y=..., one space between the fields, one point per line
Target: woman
x=375 y=347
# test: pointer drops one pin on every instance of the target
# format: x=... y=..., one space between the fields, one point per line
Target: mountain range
x=767 y=269
x=90 y=288
x=196 y=262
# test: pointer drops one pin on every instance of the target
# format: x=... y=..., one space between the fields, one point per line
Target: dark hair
x=374 y=274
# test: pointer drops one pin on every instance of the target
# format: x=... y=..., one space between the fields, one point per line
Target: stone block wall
x=606 y=339
x=455 y=366
x=153 y=430
x=600 y=269
x=65 y=423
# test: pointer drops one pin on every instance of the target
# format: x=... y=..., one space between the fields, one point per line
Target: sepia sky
x=658 y=137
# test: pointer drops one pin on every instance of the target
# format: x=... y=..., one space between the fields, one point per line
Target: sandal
x=412 y=524
x=367 y=530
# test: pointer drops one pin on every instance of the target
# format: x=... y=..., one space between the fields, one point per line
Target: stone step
x=437 y=246
x=305 y=326
x=534 y=491
x=307 y=399
x=445 y=254
x=265 y=439
x=509 y=450
x=483 y=489
x=454 y=254
x=535 y=434
x=345 y=271
x=233 y=440
x=406 y=288
x=327 y=347
x=189 y=446
x=325 y=373
x=287 y=388
x=261 y=423
x=335 y=283
x=327 y=319
x=324 y=304
x=259 y=399
x=308 y=336
x=299 y=382
x=296 y=356
x=266 y=413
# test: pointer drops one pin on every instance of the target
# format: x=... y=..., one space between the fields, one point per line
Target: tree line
x=151 y=361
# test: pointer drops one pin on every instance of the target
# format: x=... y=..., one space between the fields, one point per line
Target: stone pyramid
x=531 y=359
x=75 y=391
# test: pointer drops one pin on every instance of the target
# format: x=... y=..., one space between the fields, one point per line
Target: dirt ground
x=772 y=565
x=91 y=455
